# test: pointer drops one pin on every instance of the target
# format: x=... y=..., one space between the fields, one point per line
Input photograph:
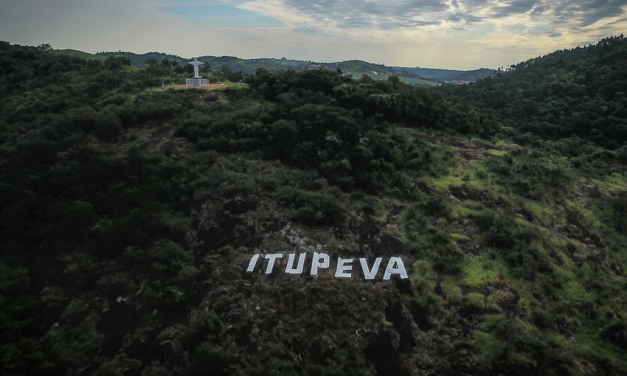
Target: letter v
x=370 y=274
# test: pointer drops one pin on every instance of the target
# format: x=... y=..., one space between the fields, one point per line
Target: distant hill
x=446 y=74
x=233 y=63
x=76 y=53
x=353 y=67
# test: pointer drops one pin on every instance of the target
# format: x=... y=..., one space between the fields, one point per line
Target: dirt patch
x=466 y=193
x=467 y=149
x=399 y=316
x=375 y=239
x=580 y=232
x=208 y=87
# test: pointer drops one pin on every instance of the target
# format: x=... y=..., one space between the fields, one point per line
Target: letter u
x=289 y=268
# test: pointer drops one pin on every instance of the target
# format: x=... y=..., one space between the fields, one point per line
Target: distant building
x=313 y=66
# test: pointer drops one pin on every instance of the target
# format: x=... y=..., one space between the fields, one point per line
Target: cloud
x=463 y=17
x=513 y=7
x=220 y=14
x=538 y=10
x=593 y=11
x=307 y=30
x=370 y=13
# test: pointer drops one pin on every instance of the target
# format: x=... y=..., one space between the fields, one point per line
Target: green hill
x=160 y=232
x=576 y=95
x=76 y=53
x=442 y=75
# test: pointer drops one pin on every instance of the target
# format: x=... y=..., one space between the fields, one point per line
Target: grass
x=499 y=153
x=211 y=86
x=478 y=272
x=407 y=80
x=235 y=85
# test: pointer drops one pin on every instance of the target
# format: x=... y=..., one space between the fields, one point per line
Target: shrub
x=315 y=207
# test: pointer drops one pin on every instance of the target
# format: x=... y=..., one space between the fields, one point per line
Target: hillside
x=160 y=232
x=576 y=94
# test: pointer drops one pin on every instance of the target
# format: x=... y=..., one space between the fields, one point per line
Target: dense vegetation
x=128 y=212
x=577 y=93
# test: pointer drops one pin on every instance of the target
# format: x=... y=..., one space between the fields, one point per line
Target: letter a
x=289 y=269
x=370 y=274
x=392 y=269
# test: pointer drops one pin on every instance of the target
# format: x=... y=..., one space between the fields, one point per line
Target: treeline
x=577 y=93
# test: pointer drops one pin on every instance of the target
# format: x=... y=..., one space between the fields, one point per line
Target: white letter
x=370 y=274
x=289 y=269
x=253 y=263
x=315 y=263
x=271 y=259
x=342 y=267
x=391 y=269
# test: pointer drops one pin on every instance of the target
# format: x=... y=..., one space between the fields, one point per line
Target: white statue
x=196 y=63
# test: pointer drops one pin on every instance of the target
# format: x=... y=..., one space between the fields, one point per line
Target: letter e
x=343 y=268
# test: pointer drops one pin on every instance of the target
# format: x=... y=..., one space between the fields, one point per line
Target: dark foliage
x=577 y=92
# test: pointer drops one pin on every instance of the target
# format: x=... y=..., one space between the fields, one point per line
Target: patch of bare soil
x=467 y=149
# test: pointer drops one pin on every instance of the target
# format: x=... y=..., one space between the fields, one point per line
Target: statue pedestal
x=197 y=82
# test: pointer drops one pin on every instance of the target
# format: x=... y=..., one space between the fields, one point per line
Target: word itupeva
x=344 y=266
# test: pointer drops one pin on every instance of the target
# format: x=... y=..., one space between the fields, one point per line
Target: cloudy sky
x=454 y=34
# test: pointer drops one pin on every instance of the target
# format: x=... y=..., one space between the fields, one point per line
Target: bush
x=315 y=207
x=533 y=174
x=432 y=242
x=513 y=243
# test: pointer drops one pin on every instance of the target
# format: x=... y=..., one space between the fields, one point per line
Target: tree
x=44 y=47
x=394 y=80
x=116 y=62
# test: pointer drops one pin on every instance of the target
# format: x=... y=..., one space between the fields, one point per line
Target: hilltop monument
x=197 y=81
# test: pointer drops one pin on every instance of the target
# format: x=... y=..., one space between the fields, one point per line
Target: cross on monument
x=196 y=63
